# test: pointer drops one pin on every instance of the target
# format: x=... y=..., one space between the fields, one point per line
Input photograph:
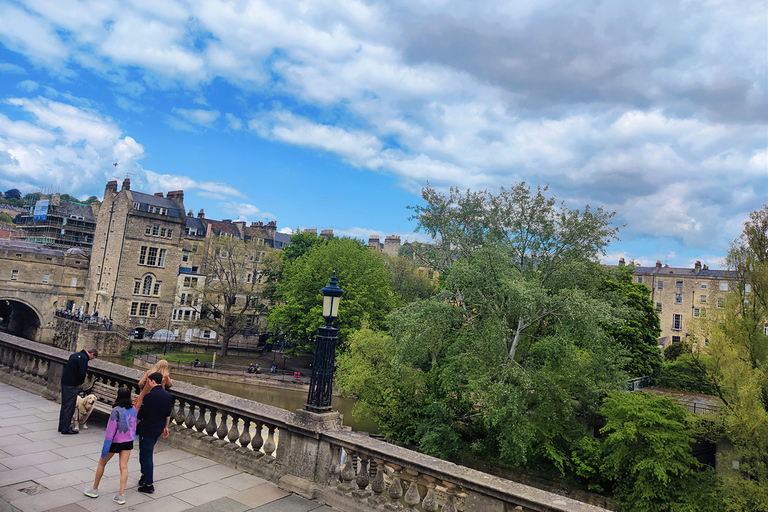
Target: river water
x=288 y=399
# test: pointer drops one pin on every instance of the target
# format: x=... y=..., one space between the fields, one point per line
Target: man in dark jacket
x=154 y=416
x=71 y=379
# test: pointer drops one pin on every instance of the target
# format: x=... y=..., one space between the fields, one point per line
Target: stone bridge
x=34 y=282
x=313 y=455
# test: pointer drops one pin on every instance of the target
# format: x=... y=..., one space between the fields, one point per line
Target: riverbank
x=285 y=381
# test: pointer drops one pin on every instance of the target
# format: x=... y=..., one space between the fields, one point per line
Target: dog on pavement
x=83 y=411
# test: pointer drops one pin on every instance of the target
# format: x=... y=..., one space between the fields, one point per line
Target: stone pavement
x=42 y=470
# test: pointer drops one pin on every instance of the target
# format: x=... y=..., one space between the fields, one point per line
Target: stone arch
x=20 y=318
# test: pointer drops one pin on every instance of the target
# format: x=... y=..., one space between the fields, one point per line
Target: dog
x=83 y=411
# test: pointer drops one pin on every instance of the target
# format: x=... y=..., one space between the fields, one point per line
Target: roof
x=65 y=209
x=195 y=223
x=218 y=227
x=162 y=202
x=282 y=239
x=683 y=272
x=18 y=245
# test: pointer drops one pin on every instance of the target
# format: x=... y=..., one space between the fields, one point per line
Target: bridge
x=312 y=456
x=35 y=281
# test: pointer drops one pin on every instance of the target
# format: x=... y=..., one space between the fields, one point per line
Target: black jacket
x=75 y=369
x=153 y=412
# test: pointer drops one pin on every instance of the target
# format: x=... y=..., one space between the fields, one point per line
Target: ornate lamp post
x=321 y=383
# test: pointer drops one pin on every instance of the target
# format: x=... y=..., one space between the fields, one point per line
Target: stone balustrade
x=311 y=454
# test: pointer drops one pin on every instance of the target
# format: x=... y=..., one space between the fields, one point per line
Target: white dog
x=83 y=411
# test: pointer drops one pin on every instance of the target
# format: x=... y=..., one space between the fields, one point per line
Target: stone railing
x=309 y=454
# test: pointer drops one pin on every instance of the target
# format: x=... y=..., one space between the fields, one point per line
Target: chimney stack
x=177 y=196
x=201 y=214
x=697 y=266
x=110 y=188
x=126 y=184
x=621 y=262
x=658 y=264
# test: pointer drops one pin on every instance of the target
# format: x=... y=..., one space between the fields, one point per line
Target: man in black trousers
x=154 y=416
x=71 y=379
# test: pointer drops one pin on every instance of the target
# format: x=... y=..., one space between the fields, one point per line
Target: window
x=153 y=310
x=194 y=248
x=703 y=299
x=747 y=288
x=155 y=229
x=14 y=275
x=169 y=233
x=765 y=329
x=143 y=309
x=678 y=298
x=136 y=287
x=185 y=256
x=723 y=286
x=136 y=206
x=152 y=256
x=148 y=231
x=190 y=282
x=134 y=308
x=658 y=307
x=249 y=278
x=639 y=279
x=675 y=339
x=696 y=312
x=73 y=282
x=720 y=303
x=142 y=254
x=206 y=333
x=703 y=285
x=679 y=283
x=660 y=285
x=161 y=258
x=147 y=288
x=46 y=277
x=194 y=269
x=156 y=291
x=677 y=322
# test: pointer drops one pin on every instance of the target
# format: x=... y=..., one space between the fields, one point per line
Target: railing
x=313 y=455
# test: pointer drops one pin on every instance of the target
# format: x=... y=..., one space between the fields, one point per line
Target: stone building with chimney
x=136 y=255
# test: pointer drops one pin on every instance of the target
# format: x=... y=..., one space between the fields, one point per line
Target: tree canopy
x=13 y=193
x=362 y=275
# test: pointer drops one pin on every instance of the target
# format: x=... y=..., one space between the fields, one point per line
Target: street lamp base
x=318 y=421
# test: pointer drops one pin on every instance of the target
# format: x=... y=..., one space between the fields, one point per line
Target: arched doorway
x=19 y=319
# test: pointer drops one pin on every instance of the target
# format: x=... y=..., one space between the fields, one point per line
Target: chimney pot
x=126 y=184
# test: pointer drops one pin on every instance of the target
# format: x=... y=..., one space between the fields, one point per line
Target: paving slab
x=221 y=505
x=44 y=501
x=292 y=503
x=259 y=495
x=204 y=493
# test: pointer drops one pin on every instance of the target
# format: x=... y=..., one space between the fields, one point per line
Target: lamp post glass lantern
x=321 y=383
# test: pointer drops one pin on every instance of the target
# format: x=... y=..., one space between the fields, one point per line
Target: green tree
x=5 y=218
x=230 y=300
x=408 y=281
x=732 y=351
x=640 y=330
x=13 y=193
x=362 y=276
x=300 y=243
x=646 y=456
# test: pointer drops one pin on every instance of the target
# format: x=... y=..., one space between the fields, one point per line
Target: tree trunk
x=516 y=340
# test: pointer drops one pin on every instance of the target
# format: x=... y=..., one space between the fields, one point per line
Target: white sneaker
x=120 y=500
x=91 y=493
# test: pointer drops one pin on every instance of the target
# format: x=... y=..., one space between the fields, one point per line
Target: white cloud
x=200 y=117
x=245 y=212
x=235 y=122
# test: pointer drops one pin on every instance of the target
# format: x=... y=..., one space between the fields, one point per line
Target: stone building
x=682 y=294
x=56 y=223
x=136 y=256
x=35 y=280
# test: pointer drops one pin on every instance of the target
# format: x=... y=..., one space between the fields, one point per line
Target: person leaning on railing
x=160 y=367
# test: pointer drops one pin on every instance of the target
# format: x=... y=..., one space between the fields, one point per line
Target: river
x=288 y=399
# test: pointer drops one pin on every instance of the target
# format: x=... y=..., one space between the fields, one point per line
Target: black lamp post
x=321 y=383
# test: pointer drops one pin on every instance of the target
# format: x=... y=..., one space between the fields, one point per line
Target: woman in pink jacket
x=121 y=432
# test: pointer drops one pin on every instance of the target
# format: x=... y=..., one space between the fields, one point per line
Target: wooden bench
x=106 y=396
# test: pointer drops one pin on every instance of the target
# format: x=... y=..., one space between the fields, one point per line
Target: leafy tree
x=675 y=350
x=408 y=281
x=230 y=299
x=92 y=199
x=5 y=218
x=524 y=239
x=300 y=244
x=362 y=276
x=646 y=456
x=732 y=351
x=13 y=193
x=641 y=327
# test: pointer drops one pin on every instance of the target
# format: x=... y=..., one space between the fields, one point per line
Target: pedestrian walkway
x=42 y=470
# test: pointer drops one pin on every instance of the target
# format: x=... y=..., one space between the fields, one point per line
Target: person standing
x=121 y=431
x=161 y=367
x=154 y=417
x=71 y=379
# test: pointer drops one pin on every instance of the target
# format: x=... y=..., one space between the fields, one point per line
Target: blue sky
x=335 y=114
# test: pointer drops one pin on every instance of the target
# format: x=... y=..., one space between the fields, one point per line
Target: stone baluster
x=450 y=497
x=180 y=412
x=348 y=471
x=245 y=437
x=395 y=488
x=222 y=431
x=378 y=485
x=412 y=497
x=189 y=421
x=234 y=433
x=430 y=503
x=363 y=479
x=210 y=427
x=334 y=468
x=269 y=445
x=200 y=424
x=258 y=439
